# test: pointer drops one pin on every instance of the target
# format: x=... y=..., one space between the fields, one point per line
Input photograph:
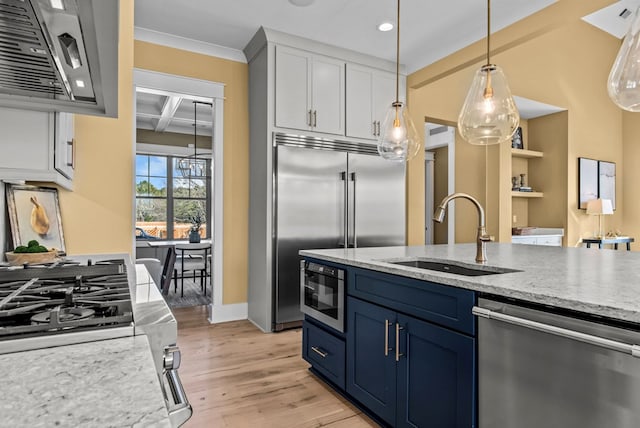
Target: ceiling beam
x=169 y=109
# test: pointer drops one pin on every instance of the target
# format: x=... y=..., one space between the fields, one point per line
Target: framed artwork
x=517 y=141
x=34 y=213
x=607 y=181
x=587 y=181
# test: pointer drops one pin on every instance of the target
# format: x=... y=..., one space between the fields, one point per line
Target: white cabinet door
x=309 y=91
x=327 y=95
x=359 y=103
x=370 y=93
x=64 y=151
x=293 y=88
x=384 y=94
x=28 y=143
x=25 y=140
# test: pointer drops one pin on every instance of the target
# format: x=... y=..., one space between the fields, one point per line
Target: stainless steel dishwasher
x=542 y=369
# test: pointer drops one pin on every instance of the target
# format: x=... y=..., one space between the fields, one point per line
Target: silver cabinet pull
x=625 y=348
x=398 y=353
x=354 y=244
x=377 y=133
x=315 y=118
x=71 y=163
x=309 y=118
x=374 y=128
x=319 y=352
x=387 y=324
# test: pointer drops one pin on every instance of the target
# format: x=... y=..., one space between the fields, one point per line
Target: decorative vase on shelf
x=194 y=236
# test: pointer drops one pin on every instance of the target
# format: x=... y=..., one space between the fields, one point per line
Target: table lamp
x=599 y=207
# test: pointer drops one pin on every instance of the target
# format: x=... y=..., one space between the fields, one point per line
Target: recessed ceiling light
x=385 y=26
x=301 y=3
x=80 y=83
x=57 y=4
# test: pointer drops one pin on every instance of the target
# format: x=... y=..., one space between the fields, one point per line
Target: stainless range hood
x=59 y=55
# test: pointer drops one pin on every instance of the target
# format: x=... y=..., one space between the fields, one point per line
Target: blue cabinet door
x=436 y=386
x=371 y=375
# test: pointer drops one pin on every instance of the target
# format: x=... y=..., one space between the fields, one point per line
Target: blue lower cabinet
x=371 y=372
x=325 y=352
x=435 y=385
x=409 y=372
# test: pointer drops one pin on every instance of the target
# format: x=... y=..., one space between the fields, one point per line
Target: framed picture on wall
x=607 y=181
x=587 y=181
x=34 y=213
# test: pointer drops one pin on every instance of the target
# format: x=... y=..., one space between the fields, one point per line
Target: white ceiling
x=429 y=30
x=614 y=19
x=163 y=111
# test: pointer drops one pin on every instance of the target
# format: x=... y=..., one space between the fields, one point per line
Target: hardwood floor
x=236 y=376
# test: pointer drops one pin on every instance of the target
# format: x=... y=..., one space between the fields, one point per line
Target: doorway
x=179 y=120
x=439 y=180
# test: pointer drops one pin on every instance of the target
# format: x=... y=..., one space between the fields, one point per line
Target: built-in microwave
x=322 y=293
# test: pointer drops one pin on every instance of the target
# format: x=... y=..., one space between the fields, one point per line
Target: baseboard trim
x=224 y=313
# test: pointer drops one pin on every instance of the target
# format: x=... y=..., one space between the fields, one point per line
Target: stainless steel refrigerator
x=329 y=194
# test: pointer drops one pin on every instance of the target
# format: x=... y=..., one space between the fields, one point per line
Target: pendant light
x=624 y=79
x=489 y=114
x=192 y=166
x=398 y=139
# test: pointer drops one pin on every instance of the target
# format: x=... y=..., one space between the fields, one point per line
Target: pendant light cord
x=488 y=31
x=195 y=129
x=398 y=54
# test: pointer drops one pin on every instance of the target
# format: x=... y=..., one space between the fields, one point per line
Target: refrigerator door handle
x=345 y=211
x=352 y=228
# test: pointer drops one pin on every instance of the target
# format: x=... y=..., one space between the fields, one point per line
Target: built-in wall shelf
x=527 y=154
x=516 y=194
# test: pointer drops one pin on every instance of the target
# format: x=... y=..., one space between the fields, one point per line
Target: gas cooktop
x=62 y=298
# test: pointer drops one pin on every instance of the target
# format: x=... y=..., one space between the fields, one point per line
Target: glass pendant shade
x=624 y=78
x=489 y=114
x=398 y=138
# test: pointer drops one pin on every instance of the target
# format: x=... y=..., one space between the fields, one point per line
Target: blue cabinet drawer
x=325 y=352
x=442 y=304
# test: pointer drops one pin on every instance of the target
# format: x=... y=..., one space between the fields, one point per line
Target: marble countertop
x=98 y=384
x=599 y=282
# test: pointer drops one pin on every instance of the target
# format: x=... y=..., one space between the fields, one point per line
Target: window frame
x=171 y=159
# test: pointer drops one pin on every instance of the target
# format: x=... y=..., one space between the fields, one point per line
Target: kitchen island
x=554 y=333
x=103 y=383
x=605 y=283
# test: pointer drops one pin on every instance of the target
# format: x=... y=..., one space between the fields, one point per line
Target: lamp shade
x=624 y=78
x=399 y=139
x=489 y=114
x=599 y=207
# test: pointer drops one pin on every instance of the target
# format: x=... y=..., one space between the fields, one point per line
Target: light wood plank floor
x=236 y=376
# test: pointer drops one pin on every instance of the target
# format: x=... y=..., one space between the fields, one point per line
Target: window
x=166 y=202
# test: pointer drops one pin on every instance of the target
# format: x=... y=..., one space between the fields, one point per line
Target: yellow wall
x=441 y=183
x=97 y=215
x=630 y=224
x=551 y=57
x=234 y=76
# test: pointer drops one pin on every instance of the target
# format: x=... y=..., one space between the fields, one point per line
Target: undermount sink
x=453 y=268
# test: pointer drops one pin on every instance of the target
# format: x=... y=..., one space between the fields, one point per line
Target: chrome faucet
x=482 y=237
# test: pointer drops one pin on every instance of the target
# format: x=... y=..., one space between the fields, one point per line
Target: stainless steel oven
x=322 y=293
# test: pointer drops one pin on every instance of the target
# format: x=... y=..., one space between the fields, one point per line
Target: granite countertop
x=108 y=383
x=599 y=282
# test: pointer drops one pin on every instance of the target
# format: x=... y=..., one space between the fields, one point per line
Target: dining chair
x=168 y=270
x=192 y=258
x=154 y=267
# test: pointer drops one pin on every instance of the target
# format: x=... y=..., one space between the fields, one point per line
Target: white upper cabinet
x=29 y=143
x=370 y=93
x=309 y=91
x=64 y=157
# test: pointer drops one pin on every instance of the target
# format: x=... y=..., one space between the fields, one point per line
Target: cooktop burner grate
x=55 y=298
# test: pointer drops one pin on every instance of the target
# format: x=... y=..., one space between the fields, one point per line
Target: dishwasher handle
x=615 y=345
